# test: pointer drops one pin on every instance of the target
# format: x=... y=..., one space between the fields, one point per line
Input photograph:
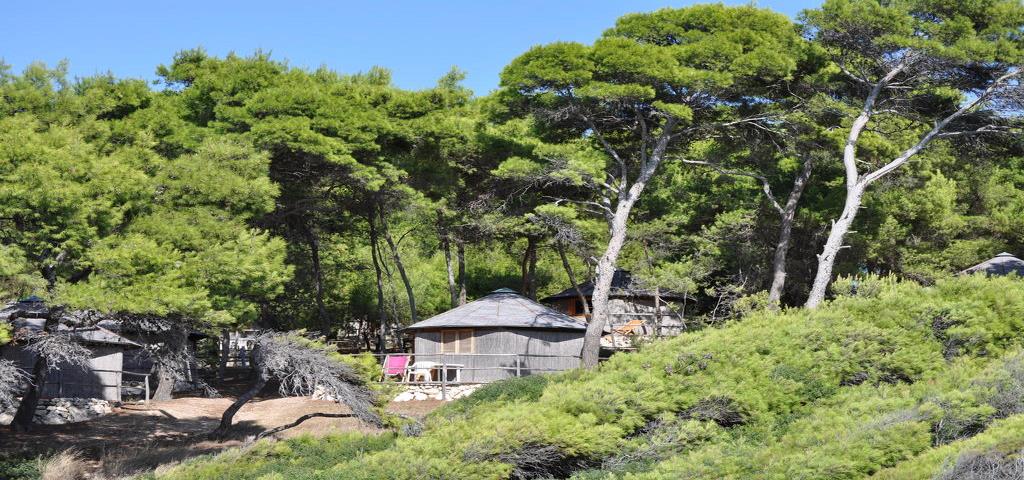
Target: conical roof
x=1002 y=264
x=501 y=308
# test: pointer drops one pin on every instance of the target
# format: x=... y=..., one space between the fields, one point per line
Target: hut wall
x=495 y=352
x=102 y=378
x=624 y=310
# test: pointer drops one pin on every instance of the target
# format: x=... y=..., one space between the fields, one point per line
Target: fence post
x=519 y=368
x=444 y=378
x=146 y=401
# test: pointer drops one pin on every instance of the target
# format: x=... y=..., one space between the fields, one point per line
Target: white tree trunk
x=603 y=283
x=827 y=257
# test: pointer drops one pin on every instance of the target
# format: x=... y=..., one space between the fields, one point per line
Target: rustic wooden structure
x=501 y=335
x=101 y=379
x=1000 y=265
x=635 y=311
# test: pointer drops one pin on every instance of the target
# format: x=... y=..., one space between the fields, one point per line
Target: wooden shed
x=635 y=310
x=499 y=336
x=101 y=379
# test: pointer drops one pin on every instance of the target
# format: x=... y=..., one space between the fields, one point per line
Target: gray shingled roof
x=502 y=308
x=1002 y=264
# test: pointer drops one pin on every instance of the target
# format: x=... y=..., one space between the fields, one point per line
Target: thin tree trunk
x=460 y=252
x=446 y=248
x=397 y=257
x=381 y=315
x=572 y=279
x=528 y=266
x=786 y=232
x=229 y=415
x=318 y=279
x=827 y=257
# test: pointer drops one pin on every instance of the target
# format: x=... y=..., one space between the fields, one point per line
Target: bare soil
x=137 y=436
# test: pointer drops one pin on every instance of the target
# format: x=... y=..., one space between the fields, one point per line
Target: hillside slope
x=894 y=382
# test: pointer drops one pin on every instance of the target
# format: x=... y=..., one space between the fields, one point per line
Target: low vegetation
x=896 y=381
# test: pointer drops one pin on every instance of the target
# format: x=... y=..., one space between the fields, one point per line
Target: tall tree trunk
x=381 y=315
x=572 y=279
x=446 y=248
x=786 y=232
x=827 y=257
x=228 y=417
x=460 y=252
x=313 y=242
x=529 y=265
x=397 y=257
x=606 y=266
x=618 y=221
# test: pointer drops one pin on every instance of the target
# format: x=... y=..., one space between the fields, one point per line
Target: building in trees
x=102 y=377
x=499 y=336
x=1000 y=265
x=634 y=310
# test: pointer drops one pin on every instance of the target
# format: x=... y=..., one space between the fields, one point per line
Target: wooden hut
x=1000 y=265
x=103 y=376
x=499 y=336
x=634 y=310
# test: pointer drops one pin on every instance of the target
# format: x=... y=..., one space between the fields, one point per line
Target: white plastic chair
x=420 y=369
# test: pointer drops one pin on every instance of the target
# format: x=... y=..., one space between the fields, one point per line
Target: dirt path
x=140 y=436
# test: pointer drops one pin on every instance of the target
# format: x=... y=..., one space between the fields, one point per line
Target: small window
x=457 y=341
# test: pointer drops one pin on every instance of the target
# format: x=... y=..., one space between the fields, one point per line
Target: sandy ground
x=136 y=436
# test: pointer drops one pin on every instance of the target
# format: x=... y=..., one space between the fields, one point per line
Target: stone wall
x=59 y=411
x=433 y=392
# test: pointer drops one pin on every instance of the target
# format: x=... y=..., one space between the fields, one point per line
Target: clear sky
x=418 y=40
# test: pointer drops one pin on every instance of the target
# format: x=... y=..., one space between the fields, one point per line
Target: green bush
x=527 y=388
x=303 y=457
x=14 y=468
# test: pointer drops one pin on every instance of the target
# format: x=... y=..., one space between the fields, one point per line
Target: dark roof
x=502 y=308
x=1002 y=264
x=623 y=285
x=93 y=335
x=30 y=314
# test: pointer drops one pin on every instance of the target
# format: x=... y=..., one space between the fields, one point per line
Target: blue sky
x=417 y=40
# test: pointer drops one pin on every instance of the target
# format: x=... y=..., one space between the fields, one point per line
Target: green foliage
x=851 y=389
x=15 y=468
x=303 y=457
x=527 y=388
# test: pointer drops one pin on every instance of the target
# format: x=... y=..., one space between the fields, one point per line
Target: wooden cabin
x=101 y=379
x=501 y=335
x=635 y=310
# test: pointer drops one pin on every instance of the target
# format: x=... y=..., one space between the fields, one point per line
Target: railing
x=446 y=363
x=60 y=383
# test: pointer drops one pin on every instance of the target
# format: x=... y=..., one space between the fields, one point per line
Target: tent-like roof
x=623 y=285
x=1002 y=264
x=501 y=308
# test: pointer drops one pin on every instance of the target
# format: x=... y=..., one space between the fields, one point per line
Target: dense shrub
x=527 y=388
x=297 y=458
x=15 y=468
